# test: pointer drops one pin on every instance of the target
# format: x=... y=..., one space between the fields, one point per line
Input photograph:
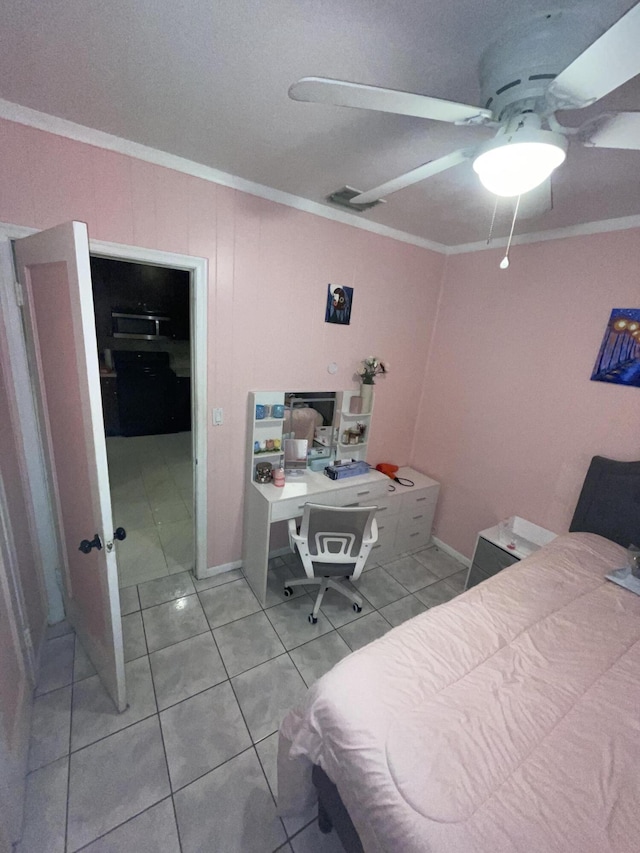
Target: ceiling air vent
x=343 y=199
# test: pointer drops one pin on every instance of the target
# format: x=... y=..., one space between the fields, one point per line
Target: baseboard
x=211 y=571
x=219 y=570
x=280 y=552
x=451 y=551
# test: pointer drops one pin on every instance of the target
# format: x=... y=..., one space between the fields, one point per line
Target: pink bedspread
x=507 y=721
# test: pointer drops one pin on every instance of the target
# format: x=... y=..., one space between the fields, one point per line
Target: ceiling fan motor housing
x=517 y=68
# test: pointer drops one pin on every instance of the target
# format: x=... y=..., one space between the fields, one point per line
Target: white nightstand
x=495 y=551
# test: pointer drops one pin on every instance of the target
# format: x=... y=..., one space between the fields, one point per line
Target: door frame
x=197 y=269
x=39 y=475
x=14 y=754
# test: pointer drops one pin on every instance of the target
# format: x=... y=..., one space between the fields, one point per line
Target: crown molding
x=100 y=139
x=601 y=226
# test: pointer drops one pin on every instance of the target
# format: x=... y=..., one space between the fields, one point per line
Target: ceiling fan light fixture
x=520 y=162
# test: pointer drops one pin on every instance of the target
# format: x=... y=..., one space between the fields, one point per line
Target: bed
x=505 y=721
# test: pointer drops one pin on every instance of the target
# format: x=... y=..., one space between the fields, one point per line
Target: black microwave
x=145 y=327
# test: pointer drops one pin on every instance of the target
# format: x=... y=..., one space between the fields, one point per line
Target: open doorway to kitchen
x=144 y=337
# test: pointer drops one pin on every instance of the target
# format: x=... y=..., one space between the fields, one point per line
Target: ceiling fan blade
x=621 y=130
x=433 y=167
x=536 y=202
x=609 y=62
x=322 y=90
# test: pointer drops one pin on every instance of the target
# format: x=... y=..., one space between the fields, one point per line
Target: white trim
x=49 y=553
x=14 y=232
x=80 y=133
x=198 y=269
x=212 y=571
x=19 y=625
x=451 y=551
x=100 y=139
x=585 y=229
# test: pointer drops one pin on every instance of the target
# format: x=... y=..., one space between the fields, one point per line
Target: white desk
x=266 y=504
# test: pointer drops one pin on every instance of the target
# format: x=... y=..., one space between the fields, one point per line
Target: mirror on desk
x=330 y=422
x=311 y=417
x=295 y=455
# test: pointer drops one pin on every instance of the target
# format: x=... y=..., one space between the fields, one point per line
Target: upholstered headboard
x=609 y=503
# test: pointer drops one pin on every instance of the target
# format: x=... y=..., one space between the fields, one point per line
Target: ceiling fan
x=538 y=69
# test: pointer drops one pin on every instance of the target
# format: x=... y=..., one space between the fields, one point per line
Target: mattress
x=506 y=721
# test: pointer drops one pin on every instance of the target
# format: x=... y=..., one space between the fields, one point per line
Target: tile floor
x=190 y=766
x=151 y=479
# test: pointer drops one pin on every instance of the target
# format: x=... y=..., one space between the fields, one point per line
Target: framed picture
x=619 y=358
x=339 y=302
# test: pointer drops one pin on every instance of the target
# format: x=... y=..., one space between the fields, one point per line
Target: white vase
x=366 y=392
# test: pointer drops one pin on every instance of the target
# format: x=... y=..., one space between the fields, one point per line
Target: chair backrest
x=338 y=535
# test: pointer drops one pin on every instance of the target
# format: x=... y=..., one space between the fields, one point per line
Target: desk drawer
x=388 y=505
x=365 y=494
x=294 y=507
x=385 y=549
x=419 y=499
x=411 y=539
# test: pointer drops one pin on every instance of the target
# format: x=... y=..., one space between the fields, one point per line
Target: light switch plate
x=217 y=417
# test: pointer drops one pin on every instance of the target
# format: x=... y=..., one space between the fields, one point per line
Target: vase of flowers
x=368 y=370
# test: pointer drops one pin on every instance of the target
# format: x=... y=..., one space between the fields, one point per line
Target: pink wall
x=269 y=269
x=509 y=419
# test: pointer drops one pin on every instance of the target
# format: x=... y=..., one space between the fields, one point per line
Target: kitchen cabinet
x=109 y=388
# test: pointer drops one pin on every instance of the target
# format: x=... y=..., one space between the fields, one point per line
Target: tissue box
x=348 y=469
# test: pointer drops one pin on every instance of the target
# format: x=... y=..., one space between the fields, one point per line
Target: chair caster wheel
x=357 y=608
x=313 y=619
x=288 y=592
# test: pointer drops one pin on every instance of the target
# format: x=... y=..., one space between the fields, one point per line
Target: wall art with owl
x=339 y=302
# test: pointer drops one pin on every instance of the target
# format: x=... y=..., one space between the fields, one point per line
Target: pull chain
x=504 y=263
x=493 y=219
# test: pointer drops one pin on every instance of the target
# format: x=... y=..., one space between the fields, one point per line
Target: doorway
x=144 y=337
x=38 y=475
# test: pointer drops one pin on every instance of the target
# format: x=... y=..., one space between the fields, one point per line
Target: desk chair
x=333 y=542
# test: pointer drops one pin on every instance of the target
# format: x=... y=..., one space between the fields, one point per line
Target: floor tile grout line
x=228 y=677
x=53 y=690
x=235 y=695
x=124 y=823
x=66 y=814
x=297 y=668
x=164 y=748
x=273 y=796
x=198 y=634
x=180 y=789
x=254 y=743
x=285 y=601
x=302 y=829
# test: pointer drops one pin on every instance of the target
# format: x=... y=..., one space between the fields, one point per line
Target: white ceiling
x=208 y=80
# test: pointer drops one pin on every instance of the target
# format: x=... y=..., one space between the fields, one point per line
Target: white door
x=54 y=271
x=16 y=691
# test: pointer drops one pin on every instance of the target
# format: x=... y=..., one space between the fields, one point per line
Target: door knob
x=120 y=533
x=86 y=545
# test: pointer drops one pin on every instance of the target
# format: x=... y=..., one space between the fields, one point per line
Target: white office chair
x=332 y=542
